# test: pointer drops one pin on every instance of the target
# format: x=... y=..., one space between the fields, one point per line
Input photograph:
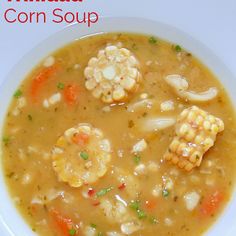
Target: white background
x=211 y=21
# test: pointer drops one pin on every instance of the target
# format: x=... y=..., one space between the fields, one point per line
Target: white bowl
x=11 y=222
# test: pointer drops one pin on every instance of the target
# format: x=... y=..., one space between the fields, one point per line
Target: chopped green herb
x=130 y=123
x=100 y=234
x=93 y=226
x=137 y=159
x=165 y=193
x=178 y=48
x=72 y=232
x=134 y=205
x=153 y=220
x=11 y=174
x=30 y=117
x=152 y=40
x=6 y=140
x=104 y=191
x=134 y=46
x=60 y=85
x=84 y=155
x=144 y=114
x=69 y=69
x=18 y=93
x=141 y=214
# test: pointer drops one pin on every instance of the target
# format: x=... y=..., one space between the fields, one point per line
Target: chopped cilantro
x=134 y=46
x=130 y=123
x=11 y=174
x=60 y=85
x=141 y=214
x=152 y=40
x=72 y=232
x=104 y=191
x=137 y=159
x=93 y=226
x=6 y=140
x=165 y=193
x=153 y=220
x=134 y=205
x=30 y=117
x=18 y=93
x=178 y=48
x=84 y=155
x=69 y=69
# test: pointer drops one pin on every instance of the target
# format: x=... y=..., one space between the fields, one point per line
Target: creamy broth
x=139 y=192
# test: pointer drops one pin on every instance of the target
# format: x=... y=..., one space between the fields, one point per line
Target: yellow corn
x=112 y=74
x=68 y=163
x=196 y=132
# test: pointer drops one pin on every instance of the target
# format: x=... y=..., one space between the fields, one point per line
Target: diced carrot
x=151 y=204
x=33 y=208
x=41 y=78
x=62 y=223
x=91 y=192
x=95 y=202
x=71 y=93
x=211 y=203
x=122 y=186
x=80 y=139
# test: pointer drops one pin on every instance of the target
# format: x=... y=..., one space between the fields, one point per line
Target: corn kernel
x=214 y=128
x=199 y=120
x=206 y=125
x=174 y=145
x=90 y=84
x=191 y=116
x=183 y=129
x=211 y=119
x=190 y=135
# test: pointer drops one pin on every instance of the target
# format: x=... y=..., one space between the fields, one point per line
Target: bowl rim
x=105 y=25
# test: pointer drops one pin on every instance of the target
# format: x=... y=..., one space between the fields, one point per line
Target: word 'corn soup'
x=120 y=134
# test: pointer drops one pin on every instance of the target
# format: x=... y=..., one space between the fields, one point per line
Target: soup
x=120 y=134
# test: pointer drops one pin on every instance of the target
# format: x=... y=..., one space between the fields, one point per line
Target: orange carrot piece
x=91 y=192
x=96 y=203
x=80 y=139
x=71 y=94
x=33 y=208
x=122 y=186
x=41 y=78
x=211 y=203
x=151 y=204
x=63 y=224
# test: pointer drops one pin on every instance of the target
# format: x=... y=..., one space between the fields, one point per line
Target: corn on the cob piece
x=81 y=155
x=196 y=132
x=112 y=74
